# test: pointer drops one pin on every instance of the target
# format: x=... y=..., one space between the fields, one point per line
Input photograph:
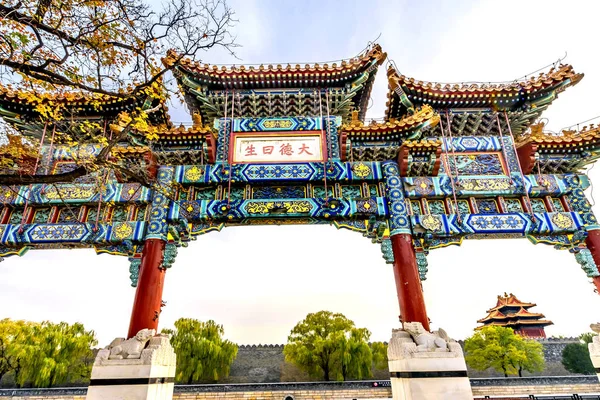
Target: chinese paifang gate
x=287 y=144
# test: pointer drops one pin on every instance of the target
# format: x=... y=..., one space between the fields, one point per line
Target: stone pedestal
x=426 y=366
x=148 y=375
x=594 y=348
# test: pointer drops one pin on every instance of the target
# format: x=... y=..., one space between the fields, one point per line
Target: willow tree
x=45 y=354
x=11 y=333
x=329 y=346
x=100 y=50
x=203 y=355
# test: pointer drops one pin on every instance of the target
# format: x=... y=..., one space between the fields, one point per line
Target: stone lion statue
x=130 y=348
x=426 y=341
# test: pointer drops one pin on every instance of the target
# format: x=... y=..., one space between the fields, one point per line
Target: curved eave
x=407 y=127
x=194 y=134
x=509 y=305
x=278 y=76
x=422 y=146
x=516 y=95
x=23 y=115
x=352 y=80
x=588 y=136
x=515 y=325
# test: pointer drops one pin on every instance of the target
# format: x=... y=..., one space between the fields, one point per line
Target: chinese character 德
x=286 y=150
x=250 y=150
x=268 y=149
x=304 y=149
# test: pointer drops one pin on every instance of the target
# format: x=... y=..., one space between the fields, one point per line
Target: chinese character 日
x=304 y=149
x=286 y=150
x=250 y=150
x=268 y=149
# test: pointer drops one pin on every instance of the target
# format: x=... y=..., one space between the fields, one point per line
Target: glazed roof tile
x=535 y=83
x=494 y=315
x=475 y=95
x=24 y=109
x=498 y=315
x=509 y=300
x=566 y=138
x=282 y=71
x=9 y=93
x=425 y=144
x=540 y=322
x=424 y=115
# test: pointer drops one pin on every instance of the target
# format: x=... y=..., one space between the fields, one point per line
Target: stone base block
x=149 y=377
x=430 y=378
x=426 y=366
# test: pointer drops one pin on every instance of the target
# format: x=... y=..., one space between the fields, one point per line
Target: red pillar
x=408 y=283
x=148 y=296
x=593 y=244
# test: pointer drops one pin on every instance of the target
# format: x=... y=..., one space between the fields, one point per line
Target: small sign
x=277 y=147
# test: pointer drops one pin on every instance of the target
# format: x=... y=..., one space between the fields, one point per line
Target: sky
x=258 y=282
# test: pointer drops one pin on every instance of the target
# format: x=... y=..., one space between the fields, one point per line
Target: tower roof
x=522 y=100
x=278 y=89
x=510 y=300
x=512 y=312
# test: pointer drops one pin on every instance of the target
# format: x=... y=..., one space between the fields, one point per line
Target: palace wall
x=499 y=387
x=265 y=363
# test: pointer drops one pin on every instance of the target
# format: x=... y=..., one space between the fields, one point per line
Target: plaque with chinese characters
x=277 y=147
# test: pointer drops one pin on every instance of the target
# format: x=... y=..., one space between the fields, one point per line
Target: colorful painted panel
x=335 y=170
x=487 y=206
x=399 y=221
x=472 y=143
x=275 y=124
x=62 y=193
x=474 y=164
x=71 y=233
x=492 y=224
x=161 y=201
x=278 y=208
x=418 y=187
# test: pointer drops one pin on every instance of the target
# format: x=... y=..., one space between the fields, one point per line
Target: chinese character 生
x=250 y=150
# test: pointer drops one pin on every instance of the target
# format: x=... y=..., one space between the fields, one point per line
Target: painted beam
x=12 y=235
x=236 y=210
x=299 y=172
x=491 y=186
x=442 y=225
x=69 y=193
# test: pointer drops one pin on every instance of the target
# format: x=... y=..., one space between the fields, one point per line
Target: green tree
x=534 y=357
x=202 y=353
x=379 y=351
x=355 y=357
x=500 y=348
x=51 y=354
x=10 y=334
x=576 y=356
x=329 y=346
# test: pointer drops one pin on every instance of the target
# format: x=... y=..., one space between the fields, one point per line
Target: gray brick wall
x=265 y=363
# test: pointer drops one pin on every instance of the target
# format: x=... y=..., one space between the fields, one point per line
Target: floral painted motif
x=476 y=164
